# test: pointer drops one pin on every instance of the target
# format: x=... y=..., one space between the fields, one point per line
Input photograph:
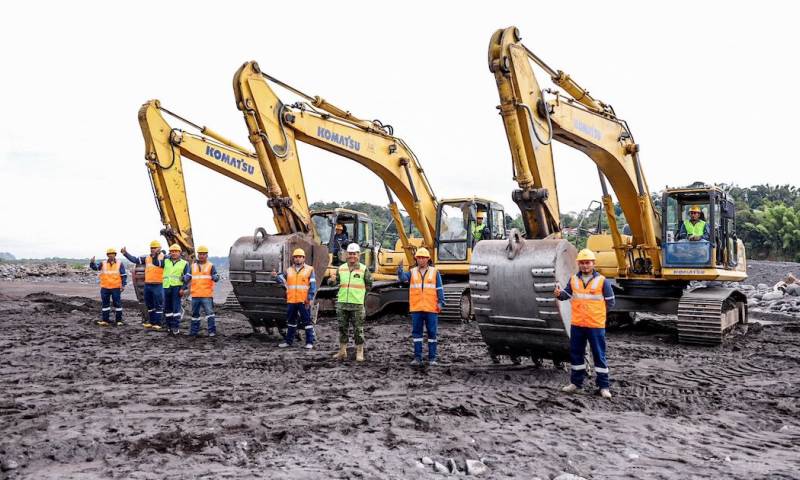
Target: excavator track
x=457 y=303
x=232 y=303
x=706 y=314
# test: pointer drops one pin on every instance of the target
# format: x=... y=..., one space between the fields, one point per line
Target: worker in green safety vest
x=479 y=229
x=354 y=280
x=694 y=228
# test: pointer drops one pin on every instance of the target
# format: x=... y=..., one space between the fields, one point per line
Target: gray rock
x=451 y=465
x=568 y=476
x=9 y=464
x=762 y=286
x=630 y=454
x=770 y=296
x=793 y=290
x=427 y=460
x=476 y=467
x=421 y=465
x=439 y=468
x=745 y=288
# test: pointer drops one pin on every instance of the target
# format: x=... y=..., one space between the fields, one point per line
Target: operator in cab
x=693 y=229
x=480 y=231
x=340 y=240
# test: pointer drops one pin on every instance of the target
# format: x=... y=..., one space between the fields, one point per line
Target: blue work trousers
x=154 y=301
x=107 y=297
x=206 y=304
x=293 y=310
x=428 y=321
x=172 y=307
x=596 y=337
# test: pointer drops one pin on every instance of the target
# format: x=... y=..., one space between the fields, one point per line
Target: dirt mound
x=63 y=304
x=769 y=273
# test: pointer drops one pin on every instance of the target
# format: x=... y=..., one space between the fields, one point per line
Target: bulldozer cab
x=358 y=228
x=456 y=219
x=718 y=212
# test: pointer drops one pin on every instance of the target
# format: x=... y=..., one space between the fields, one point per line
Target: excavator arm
x=274 y=129
x=532 y=121
x=514 y=322
x=165 y=148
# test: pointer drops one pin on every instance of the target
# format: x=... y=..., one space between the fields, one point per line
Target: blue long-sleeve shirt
x=122 y=272
x=142 y=260
x=187 y=277
x=312 y=282
x=405 y=277
x=340 y=241
x=608 y=292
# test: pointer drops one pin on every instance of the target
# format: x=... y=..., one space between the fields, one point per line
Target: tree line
x=767 y=220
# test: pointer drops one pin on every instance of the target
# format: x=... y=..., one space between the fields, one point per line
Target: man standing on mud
x=425 y=301
x=301 y=286
x=176 y=272
x=354 y=280
x=153 y=278
x=113 y=279
x=591 y=296
x=204 y=275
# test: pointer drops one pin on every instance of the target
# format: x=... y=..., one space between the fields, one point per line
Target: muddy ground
x=80 y=401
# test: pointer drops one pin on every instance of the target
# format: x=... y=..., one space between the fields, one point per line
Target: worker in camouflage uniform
x=354 y=280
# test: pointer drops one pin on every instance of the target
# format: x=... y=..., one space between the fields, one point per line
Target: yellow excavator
x=512 y=282
x=167 y=146
x=444 y=226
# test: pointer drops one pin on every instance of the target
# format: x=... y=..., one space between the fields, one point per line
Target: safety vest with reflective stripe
x=202 y=285
x=298 y=283
x=173 y=273
x=694 y=229
x=477 y=231
x=422 y=293
x=352 y=287
x=109 y=275
x=588 y=304
x=152 y=273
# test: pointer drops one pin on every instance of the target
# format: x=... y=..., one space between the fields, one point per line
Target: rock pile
x=783 y=297
x=44 y=270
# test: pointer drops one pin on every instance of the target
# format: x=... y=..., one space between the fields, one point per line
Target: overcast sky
x=709 y=90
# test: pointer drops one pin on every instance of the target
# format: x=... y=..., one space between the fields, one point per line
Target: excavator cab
x=457 y=232
x=358 y=227
x=721 y=247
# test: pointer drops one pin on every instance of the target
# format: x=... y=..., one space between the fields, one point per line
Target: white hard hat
x=353 y=248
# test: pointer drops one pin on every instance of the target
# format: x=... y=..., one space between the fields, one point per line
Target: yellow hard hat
x=111 y=250
x=695 y=208
x=586 y=254
x=155 y=244
x=202 y=249
x=298 y=252
x=422 y=252
x=481 y=215
x=174 y=248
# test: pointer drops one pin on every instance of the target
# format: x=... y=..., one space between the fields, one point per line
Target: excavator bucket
x=511 y=284
x=253 y=258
